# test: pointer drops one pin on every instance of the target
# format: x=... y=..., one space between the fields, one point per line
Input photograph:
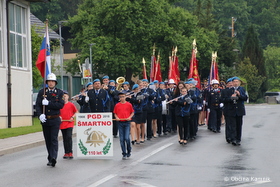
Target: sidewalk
x=18 y=143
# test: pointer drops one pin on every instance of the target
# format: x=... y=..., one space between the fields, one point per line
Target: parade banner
x=94 y=135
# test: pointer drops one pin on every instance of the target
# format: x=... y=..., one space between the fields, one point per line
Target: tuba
x=120 y=81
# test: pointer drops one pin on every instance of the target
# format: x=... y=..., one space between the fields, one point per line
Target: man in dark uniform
x=160 y=96
x=196 y=106
x=113 y=99
x=148 y=109
x=215 y=106
x=81 y=101
x=236 y=109
x=226 y=93
x=98 y=98
x=171 y=118
x=48 y=104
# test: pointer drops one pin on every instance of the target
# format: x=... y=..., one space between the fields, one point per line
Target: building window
x=18 y=45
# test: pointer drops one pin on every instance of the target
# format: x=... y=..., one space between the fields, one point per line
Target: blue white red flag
x=214 y=72
x=43 y=62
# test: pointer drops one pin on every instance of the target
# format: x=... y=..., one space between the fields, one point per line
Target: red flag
x=43 y=62
x=157 y=75
x=193 y=72
x=144 y=69
x=176 y=69
x=174 y=72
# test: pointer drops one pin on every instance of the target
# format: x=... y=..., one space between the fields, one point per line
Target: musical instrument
x=75 y=96
x=120 y=81
x=189 y=99
x=164 y=107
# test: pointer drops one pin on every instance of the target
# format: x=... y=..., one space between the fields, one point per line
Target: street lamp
x=61 y=52
x=90 y=56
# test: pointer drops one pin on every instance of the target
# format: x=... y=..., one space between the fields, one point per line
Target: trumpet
x=120 y=81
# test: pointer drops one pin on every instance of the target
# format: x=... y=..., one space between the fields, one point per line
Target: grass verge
x=11 y=132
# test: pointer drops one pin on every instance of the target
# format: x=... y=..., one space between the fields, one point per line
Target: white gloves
x=221 y=105
x=45 y=102
x=208 y=109
x=199 y=108
x=42 y=118
x=86 y=99
x=204 y=102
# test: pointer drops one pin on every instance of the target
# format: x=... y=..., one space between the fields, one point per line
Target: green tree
x=272 y=65
x=252 y=50
x=254 y=81
x=36 y=41
x=54 y=11
x=264 y=15
x=125 y=31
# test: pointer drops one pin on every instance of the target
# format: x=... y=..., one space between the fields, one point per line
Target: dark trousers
x=236 y=128
x=228 y=128
x=50 y=131
x=149 y=125
x=183 y=126
x=171 y=120
x=67 y=140
x=192 y=127
x=159 y=122
x=215 y=119
x=164 y=122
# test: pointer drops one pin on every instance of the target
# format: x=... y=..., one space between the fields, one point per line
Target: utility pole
x=61 y=52
x=233 y=20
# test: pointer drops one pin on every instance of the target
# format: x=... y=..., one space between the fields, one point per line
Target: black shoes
x=53 y=161
x=235 y=143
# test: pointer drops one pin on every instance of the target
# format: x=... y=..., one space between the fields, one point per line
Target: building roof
x=39 y=27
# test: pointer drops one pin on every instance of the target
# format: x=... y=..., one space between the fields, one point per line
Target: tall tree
x=254 y=81
x=252 y=50
x=125 y=31
x=272 y=65
x=54 y=11
x=36 y=41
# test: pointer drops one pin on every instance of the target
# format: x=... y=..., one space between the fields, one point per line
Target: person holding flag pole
x=49 y=101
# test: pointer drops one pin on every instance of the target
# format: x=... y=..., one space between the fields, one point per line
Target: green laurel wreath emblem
x=82 y=147
x=107 y=147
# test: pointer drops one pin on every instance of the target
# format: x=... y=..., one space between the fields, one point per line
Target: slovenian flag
x=43 y=62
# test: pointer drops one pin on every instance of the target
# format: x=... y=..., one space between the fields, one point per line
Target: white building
x=16 y=69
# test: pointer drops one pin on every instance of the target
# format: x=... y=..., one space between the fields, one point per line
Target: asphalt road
x=207 y=161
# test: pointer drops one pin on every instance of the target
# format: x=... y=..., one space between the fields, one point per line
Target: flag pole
x=45 y=62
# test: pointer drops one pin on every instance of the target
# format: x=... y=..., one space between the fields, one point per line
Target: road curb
x=21 y=147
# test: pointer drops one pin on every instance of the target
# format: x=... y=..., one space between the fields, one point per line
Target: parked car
x=34 y=97
x=272 y=97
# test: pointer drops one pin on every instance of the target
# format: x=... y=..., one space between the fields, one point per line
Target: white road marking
x=105 y=179
x=101 y=181
x=252 y=183
x=151 y=154
x=136 y=183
